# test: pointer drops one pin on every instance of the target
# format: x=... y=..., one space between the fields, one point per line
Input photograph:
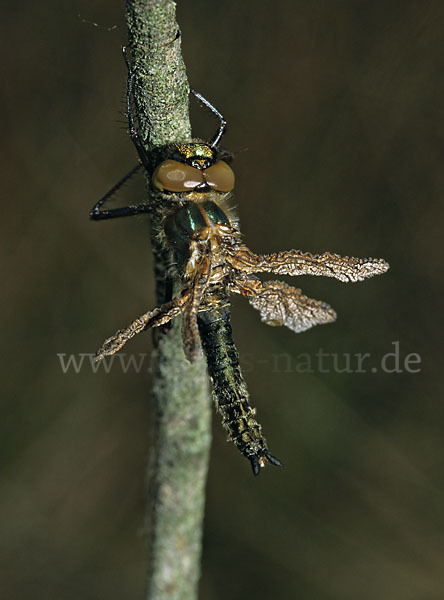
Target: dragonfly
x=191 y=189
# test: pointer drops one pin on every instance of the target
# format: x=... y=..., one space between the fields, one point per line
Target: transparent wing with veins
x=190 y=331
x=277 y=302
x=281 y=304
x=187 y=303
x=153 y=318
x=296 y=262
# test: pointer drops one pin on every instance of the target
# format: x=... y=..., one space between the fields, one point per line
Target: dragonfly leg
x=98 y=213
x=134 y=134
x=223 y=124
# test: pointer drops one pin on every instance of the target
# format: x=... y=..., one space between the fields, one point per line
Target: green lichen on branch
x=161 y=90
x=180 y=390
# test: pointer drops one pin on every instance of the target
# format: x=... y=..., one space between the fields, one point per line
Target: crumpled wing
x=152 y=318
x=296 y=262
x=281 y=304
x=190 y=331
x=187 y=303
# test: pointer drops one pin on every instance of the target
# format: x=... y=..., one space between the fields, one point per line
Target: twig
x=181 y=396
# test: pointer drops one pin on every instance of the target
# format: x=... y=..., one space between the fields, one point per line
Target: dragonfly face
x=192 y=184
x=193 y=167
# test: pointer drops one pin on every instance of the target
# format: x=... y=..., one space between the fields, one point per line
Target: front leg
x=98 y=213
x=134 y=134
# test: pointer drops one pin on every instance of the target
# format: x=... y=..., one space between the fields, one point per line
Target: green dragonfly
x=191 y=190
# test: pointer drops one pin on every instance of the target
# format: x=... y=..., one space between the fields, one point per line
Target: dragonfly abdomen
x=229 y=388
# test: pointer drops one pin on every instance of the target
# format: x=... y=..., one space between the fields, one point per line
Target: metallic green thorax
x=188 y=220
x=215 y=212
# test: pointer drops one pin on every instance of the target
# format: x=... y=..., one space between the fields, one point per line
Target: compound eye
x=220 y=177
x=174 y=176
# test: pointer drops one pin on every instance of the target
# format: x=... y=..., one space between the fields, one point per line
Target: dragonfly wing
x=281 y=304
x=296 y=262
x=190 y=335
x=197 y=286
x=153 y=318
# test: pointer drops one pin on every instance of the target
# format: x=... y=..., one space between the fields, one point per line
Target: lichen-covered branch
x=181 y=396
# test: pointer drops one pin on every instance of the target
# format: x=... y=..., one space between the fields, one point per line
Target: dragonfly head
x=193 y=166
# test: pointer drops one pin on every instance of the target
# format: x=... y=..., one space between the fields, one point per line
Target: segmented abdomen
x=229 y=388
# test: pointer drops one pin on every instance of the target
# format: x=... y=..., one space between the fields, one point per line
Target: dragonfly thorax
x=194 y=222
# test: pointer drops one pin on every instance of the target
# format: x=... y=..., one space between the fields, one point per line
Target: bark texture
x=181 y=391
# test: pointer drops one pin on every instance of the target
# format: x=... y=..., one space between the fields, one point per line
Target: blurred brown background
x=335 y=111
